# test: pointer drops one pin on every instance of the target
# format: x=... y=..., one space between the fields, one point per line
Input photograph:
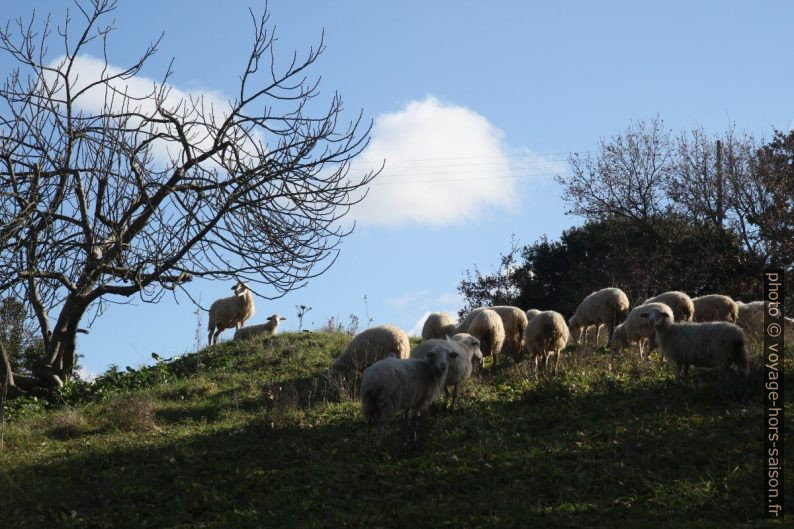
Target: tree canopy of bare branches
x=723 y=182
x=113 y=185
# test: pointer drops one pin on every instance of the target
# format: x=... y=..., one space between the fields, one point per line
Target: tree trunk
x=63 y=342
x=7 y=378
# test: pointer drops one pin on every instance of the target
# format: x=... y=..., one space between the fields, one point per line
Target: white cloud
x=445 y=164
x=87 y=69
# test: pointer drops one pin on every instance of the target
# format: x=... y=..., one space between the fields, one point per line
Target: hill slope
x=250 y=435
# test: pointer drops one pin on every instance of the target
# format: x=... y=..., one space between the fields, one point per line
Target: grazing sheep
x=487 y=327
x=636 y=328
x=609 y=306
x=531 y=313
x=369 y=346
x=265 y=329
x=226 y=313
x=546 y=336
x=711 y=344
x=394 y=384
x=679 y=302
x=715 y=307
x=514 y=321
x=750 y=316
x=460 y=368
x=438 y=325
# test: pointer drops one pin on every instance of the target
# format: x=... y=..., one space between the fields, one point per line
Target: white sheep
x=679 y=302
x=264 y=329
x=488 y=328
x=226 y=313
x=715 y=307
x=438 y=325
x=546 y=337
x=637 y=329
x=608 y=306
x=514 y=321
x=460 y=367
x=531 y=313
x=394 y=384
x=711 y=344
x=369 y=346
x=750 y=316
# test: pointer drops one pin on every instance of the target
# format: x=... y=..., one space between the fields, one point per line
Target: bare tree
x=112 y=185
x=626 y=179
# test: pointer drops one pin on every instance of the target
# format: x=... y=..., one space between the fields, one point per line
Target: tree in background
x=691 y=212
x=641 y=260
x=113 y=186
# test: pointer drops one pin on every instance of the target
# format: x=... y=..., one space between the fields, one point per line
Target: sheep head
x=439 y=358
x=658 y=318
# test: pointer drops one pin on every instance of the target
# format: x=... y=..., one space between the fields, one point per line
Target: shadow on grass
x=652 y=453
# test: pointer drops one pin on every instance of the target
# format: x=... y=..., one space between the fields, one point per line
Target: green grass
x=251 y=435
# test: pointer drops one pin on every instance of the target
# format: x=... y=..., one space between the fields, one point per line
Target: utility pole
x=720 y=198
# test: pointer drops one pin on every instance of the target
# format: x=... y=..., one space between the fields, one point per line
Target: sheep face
x=275 y=317
x=240 y=288
x=658 y=319
x=439 y=358
x=472 y=344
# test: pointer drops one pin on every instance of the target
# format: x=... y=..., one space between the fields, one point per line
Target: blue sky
x=476 y=106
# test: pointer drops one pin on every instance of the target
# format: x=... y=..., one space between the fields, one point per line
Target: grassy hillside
x=250 y=435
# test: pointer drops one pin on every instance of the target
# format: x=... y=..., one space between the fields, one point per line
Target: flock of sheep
x=707 y=331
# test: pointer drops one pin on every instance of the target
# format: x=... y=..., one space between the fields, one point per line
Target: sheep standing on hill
x=514 y=321
x=715 y=307
x=680 y=303
x=636 y=328
x=487 y=327
x=265 y=329
x=369 y=346
x=438 y=325
x=226 y=313
x=460 y=367
x=608 y=306
x=546 y=337
x=712 y=344
x=393 y=384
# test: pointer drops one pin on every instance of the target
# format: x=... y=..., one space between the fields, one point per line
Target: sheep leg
x=454 y=397
x=209 y=337
x=556 y=360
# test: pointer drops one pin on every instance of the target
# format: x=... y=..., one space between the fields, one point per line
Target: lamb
x=226 y=313
x=609 y=306
x=712 y=344
x=460 y=367
x=679 y=302
x=637 y=329
x=715 y=307
x=546 y=336
x=531 y=313
x=369 y=346
x=487 y=327
x=514 y=321
x=438 y=325
x=394 y=384
x=265 y=329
